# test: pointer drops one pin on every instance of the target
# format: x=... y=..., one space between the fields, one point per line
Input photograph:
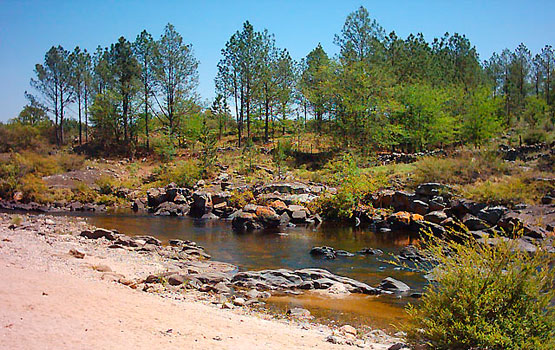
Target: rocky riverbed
x=181 y=271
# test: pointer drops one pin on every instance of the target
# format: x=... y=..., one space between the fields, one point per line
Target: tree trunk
x=79 y=108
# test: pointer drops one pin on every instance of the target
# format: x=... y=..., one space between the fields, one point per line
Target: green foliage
x=23 y=172
x=480 y=121
x=355 y=189
x=163 y=147
x=484 y=297
x=184 y=173
x=17 y=136
x=239 y=199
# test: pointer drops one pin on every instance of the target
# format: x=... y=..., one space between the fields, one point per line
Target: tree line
x=379 y=92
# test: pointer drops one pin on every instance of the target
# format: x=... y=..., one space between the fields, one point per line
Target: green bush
x=185 y=173
x=485 y=296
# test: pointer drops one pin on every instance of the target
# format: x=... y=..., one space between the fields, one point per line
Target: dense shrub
x=185 y=173
x=485 y=297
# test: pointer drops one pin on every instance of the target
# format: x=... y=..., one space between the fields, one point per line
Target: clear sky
x=29 y=28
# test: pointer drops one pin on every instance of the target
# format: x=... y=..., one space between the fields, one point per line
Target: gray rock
x=156 y=196
x=325 y=252
x=492 y=214
x=393 y=285
x=473 y=223
x=370 y=251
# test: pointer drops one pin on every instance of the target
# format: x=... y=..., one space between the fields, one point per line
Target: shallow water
x=289 y=248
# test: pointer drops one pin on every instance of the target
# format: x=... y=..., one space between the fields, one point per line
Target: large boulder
x=245 y=221
x=401 y=200
x=98 y=233
x=267 y=216
x=473 y=223
x=156 y=196
x=283 y=187
x=172 y=209
x=202 y=204
x=492 y=214
x=419 y=207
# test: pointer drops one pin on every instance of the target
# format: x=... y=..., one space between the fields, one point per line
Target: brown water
x=289 y=248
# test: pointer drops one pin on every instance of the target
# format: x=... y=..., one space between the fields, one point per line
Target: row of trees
x=121 y=87
x=380 y=91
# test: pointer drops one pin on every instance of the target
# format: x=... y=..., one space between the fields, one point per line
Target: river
x=289 y=248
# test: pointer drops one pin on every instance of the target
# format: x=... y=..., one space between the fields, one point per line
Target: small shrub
x=164 y=148
x=184 y=173
x=239 y=199
x=355 y=191
x=484 y=297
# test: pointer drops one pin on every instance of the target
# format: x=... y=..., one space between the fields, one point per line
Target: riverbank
x=68 y=291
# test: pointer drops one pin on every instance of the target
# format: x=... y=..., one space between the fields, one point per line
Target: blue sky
x=29 y=28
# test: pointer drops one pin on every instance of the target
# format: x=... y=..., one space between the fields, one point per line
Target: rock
x=102 y=268
x=411 y=253
x=227 y=305
x=348 y=329
x=289 y=188
x=461 y=207
x=299 y=217
x=171 y=209
x=76 y=254
x=98 y=233
x=267 y=216
x=212 y=277
x=473 y=223
x=156 y=196
x=279 y=206
x=430 y=189
x=344 y=253
x=138 y=205
x=239 y=302
x=299 y=313
x=419 y=207
x=176 y=279
x=284 y=219
x=398 y=346
x=325 y=252
x=221 y=288
x=401 y=200
x=370 y=251
x=209 y=216
x=393 y=285
x=492 y=214
x=245 y=221
x=202 y=204
x=383 y=199
x=180 y=199
x=338 y=288
x=435 y=217
x=403 y=219
x=17 y=196
x=527 y=220
x=547 y=199
x=334 y=339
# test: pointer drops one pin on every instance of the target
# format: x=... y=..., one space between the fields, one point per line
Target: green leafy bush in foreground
x=485 y=297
